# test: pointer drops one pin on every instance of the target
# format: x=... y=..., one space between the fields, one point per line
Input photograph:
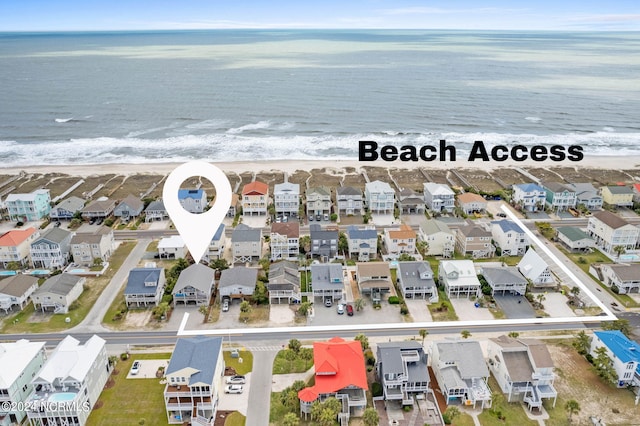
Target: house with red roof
x=15 y=246
x=340 y=372
x=255 y=198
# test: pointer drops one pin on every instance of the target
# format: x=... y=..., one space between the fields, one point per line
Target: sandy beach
x=290 y=166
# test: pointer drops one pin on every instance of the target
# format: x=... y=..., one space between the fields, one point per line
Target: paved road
x=261 y=377
x=93 y=320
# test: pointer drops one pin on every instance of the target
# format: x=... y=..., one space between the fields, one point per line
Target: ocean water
x=130 y=97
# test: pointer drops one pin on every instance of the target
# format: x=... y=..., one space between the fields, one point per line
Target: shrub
x=19 y=224
x=404 y=310
x=407 y=408
x=394 y=300
x=376 y=389
x=589 y=358
x=108 y=222
x=446 y=419
x=124 y=356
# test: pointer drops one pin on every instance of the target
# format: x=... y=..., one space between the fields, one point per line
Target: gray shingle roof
x=157 y=205
x=507 y=225
x=557 y=187
x=55 y=235
x=433 y=226
x=244 y=233
x=326 y=276
x=199 y=353
x=238 y=275
x=59 y=284
x=348 y=190
x=198 y=276
x=17 y=285
x=620 y=189
x=466 y=355
x=507 y=275
x=610 y=219
x=72 y=204
x=409 y=274
x=389 y=354
x=356 y=233
x=137 y=279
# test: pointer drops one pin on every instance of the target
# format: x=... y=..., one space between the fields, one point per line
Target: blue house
x=624 y=352
x=145 y=287
x=530 y=196
x=193 y=200
x=29 y=207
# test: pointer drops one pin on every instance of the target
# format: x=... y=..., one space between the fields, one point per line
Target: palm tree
x=541 y=298
x=204 y=310
x=304 y=308
x=359 y=304
x=290 y=419
x=514 y=334
x=619 y=250
x=575 y=290
x=572 y=408
x=465 y=334
x=423 y=333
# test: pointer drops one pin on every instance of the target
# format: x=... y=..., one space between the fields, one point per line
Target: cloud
x=630 y=17
x=423 y=10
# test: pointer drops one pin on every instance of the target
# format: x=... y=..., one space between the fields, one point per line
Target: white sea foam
x=533 y=119
x=63 y=120
x=264 y=124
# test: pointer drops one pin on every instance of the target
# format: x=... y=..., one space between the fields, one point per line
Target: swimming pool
x=78 y=271
x=629 y=258
x=8 y=273
x=62 y=397
x=40 y=272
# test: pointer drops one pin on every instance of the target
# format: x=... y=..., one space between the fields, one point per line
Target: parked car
x=57 y=224
x=328 y=302
x=235 y=380
x=326 y=217
x=92 y=221
x=99 y=222
x=225 y=305
x=233 y=389
x=340 y=309
x=318 y=217
x=135 y=368
x=502 y=215
x=310 y=218
x=350 y=310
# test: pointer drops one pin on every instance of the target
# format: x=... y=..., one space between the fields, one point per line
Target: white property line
x=427 y=325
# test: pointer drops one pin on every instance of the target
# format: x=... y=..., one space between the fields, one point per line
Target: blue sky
x=63 y=15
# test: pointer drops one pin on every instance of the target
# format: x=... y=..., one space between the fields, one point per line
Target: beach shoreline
x=290 y=166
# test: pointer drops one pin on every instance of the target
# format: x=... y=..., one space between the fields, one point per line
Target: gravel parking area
x=148 y=368
x=466 y=310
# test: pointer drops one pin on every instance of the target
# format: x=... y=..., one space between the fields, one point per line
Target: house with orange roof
x=16 y=244
x=471 y=203
x=255 y=198
x=399 y=240
x=340 y=372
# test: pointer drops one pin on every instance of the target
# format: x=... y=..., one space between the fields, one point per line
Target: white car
x=225 y=305
x=340 y=309
x=135 y=368
x=233 y=389
x=235 y=380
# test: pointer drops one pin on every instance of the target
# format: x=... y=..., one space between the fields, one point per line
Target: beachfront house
x=327 y=281
x=509 y=237
x=529 y=197
x=379 y=197
x=238 y=282
x=461 y=373
x=440 y=239
x=75 y=374
x=286 y=199
x=611 y=231
x=194 y=381
x=362 y=242
x=617 y=196
x=66 y=209
x=21 y=360
x=193 y=200
x=574 y=238
x=194 y=285
x=86 y=246
x=523 y=369
x=217 y=244
x=409 y=201
x=285 y=241
x=284 y=282
x=559 y=196
x=624 y=352
x=471 y=203
x=624 y=276
x=399 y=241
x=35 y=205
x=318 y=202
x=349 y=200
x=505 y=279
x=145 y=287
x=324 y=242
x=58 y=292
x=402 y=371
x=459 y=278
x=15 y=246
x=473 y=240
x=255 y=198
x=340 y=372
x=415 y=280
x=587 y=195
x=172 y=247
x=16 y=291
x=156 y=211
x=99 y=209
x=439 y=197
x=52 y=249
x=374 y=279
x=129 y=208
x=246 y=244
x=536 y=270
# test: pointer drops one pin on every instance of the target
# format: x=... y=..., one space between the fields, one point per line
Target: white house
x=74 y=374
x=20 y=361
x=400 y=241
x=246 y=243
x=193 y=200
x=349 y=200
x=86 y=247
x=237 y=282
x=574 y=238
x=509 y=237
x=286 y=199
x=535 y=269
x=610 y=231
x=459 y=278
x=530 y=196
x=587 y=195
x=66 y=209
x=255 y=198
x=440 y=239
x=505 y=280
x=471 y=203
x=58 y=293
x=285 y=241
x=156 y=211
x=625 y=276
x=439 y=197
x=624 y=352
x=217 y=244
x=318 y=201
x=379 y=197
x=195 y=285
x=15 y=246
x=172 y=247
x=52 y=249
x=327 y=280
x=16 y=291
x=416 y=280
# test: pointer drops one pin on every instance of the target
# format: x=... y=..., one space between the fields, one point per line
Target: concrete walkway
x=280 y=382
x=260 y=389
x=93 y=321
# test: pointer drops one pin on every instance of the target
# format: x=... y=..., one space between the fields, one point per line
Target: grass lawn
x=305 y=278
x=513 y=413
x=259 y=313
x=447 y=315
x=153 y=246
x=463 y=419
x=56 y=322
x=130 y=401
x=235 y=419
x=241 y=368
x=283 y=366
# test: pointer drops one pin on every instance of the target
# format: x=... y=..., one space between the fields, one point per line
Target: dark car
x=350 y=310
x=57 y=224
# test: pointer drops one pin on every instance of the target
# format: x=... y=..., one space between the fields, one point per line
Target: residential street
x=259 y=391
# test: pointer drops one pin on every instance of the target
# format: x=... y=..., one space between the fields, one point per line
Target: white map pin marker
x=197 y=230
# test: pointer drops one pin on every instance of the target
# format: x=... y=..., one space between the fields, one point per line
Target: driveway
x=260 y=390
x=555 y=305
x=236 y=401
x=387 y=314
x=419 y=310
x=467 y=311
x=515 y=306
